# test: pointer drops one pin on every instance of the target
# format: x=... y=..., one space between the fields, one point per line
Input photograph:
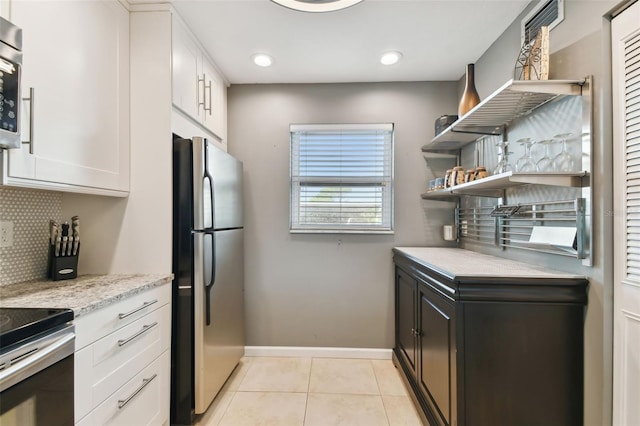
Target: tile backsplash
x=30 y=212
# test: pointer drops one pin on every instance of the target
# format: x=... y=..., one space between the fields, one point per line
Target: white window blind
x=632 y=138
x=342 y=178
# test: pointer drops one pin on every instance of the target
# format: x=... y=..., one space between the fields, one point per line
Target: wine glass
x=525 y=163
x=564 y=161
x=503 y=165
x=545 y=164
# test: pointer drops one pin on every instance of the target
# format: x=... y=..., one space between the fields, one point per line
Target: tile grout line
x=224 y=412
x=233 y=392
x=306 y=401
x=384 y=407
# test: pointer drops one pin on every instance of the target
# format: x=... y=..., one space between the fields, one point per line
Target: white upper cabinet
x=186 y=68
x=198 y=89
x=76 y=60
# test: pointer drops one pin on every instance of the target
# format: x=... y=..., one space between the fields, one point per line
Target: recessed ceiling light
x=317 y=5
x=262 y=60
x=390 y=58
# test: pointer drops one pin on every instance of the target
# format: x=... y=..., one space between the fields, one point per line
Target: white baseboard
x=313 y=352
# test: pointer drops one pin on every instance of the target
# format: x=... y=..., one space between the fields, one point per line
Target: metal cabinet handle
x=145 y=328
x=208 y=86
x=145 y=382
x=204 y=100
x=144 y=305
x=30 y=99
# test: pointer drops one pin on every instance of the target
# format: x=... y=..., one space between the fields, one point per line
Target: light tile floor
x=314 y=392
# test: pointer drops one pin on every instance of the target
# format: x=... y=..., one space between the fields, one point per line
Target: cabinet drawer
x=107 y=364
x=98 y=324
x=143 y=400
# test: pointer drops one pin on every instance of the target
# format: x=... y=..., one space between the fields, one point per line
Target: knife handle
x=69 y=247
x=58 y=244
x=63 y=249
x=75 y=226
x=76 y=242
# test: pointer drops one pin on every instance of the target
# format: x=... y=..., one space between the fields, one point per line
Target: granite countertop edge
x=83 y=295
x=454 y=270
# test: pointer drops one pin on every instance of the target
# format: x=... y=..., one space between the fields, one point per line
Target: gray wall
x=330 y=290
x=578 y=48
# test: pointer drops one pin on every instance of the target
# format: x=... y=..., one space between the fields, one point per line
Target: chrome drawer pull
x=145 y=382
x=144 y=305
x=145 y=328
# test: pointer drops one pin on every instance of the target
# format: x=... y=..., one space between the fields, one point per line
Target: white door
x=626 y=142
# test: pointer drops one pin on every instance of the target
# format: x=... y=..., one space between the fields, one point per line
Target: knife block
x=62 y=267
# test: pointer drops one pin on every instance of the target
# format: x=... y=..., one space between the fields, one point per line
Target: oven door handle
x=42 y=357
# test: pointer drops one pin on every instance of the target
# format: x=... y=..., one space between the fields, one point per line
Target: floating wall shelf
x=494 y=186
x=514 y=99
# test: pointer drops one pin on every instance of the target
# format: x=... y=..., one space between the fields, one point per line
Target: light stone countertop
x=459 y=263
x=83 y=294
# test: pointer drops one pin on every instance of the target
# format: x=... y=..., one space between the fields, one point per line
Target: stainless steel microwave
x=10 y=72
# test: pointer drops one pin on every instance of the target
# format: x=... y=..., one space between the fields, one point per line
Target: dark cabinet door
x=437 y=349
x=406 y=288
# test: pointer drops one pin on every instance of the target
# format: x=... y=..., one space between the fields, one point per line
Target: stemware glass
x=525 y=163
x=545 y=163
x=563 y=162
x=503 y=165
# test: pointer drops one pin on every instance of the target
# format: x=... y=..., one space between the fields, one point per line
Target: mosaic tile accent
x=30 y=212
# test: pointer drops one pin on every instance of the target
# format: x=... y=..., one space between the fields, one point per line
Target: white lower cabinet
x=122 y=361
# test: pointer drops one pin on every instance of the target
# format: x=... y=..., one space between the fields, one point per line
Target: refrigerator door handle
x=208 y=271
x=203 y=202
x=209 y=223
x=210 y=203
x=204 y=276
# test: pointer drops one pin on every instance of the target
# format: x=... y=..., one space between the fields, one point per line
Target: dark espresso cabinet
x=482 y=350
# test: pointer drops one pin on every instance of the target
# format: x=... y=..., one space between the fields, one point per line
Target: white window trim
x=319 y=229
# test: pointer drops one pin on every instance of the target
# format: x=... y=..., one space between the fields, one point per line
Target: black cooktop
x=17 y=324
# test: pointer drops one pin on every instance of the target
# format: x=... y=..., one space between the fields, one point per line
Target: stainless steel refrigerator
x=208 y=287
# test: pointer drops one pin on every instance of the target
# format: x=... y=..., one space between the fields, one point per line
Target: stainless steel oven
x=36 y=367
x=10 y=73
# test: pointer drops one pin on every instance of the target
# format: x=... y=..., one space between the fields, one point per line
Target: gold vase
x=470 y=96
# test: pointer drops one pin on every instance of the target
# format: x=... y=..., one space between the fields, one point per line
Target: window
x=549 y=13
x=342 y=178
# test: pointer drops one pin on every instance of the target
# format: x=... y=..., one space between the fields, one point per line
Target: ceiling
x=437 y=38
